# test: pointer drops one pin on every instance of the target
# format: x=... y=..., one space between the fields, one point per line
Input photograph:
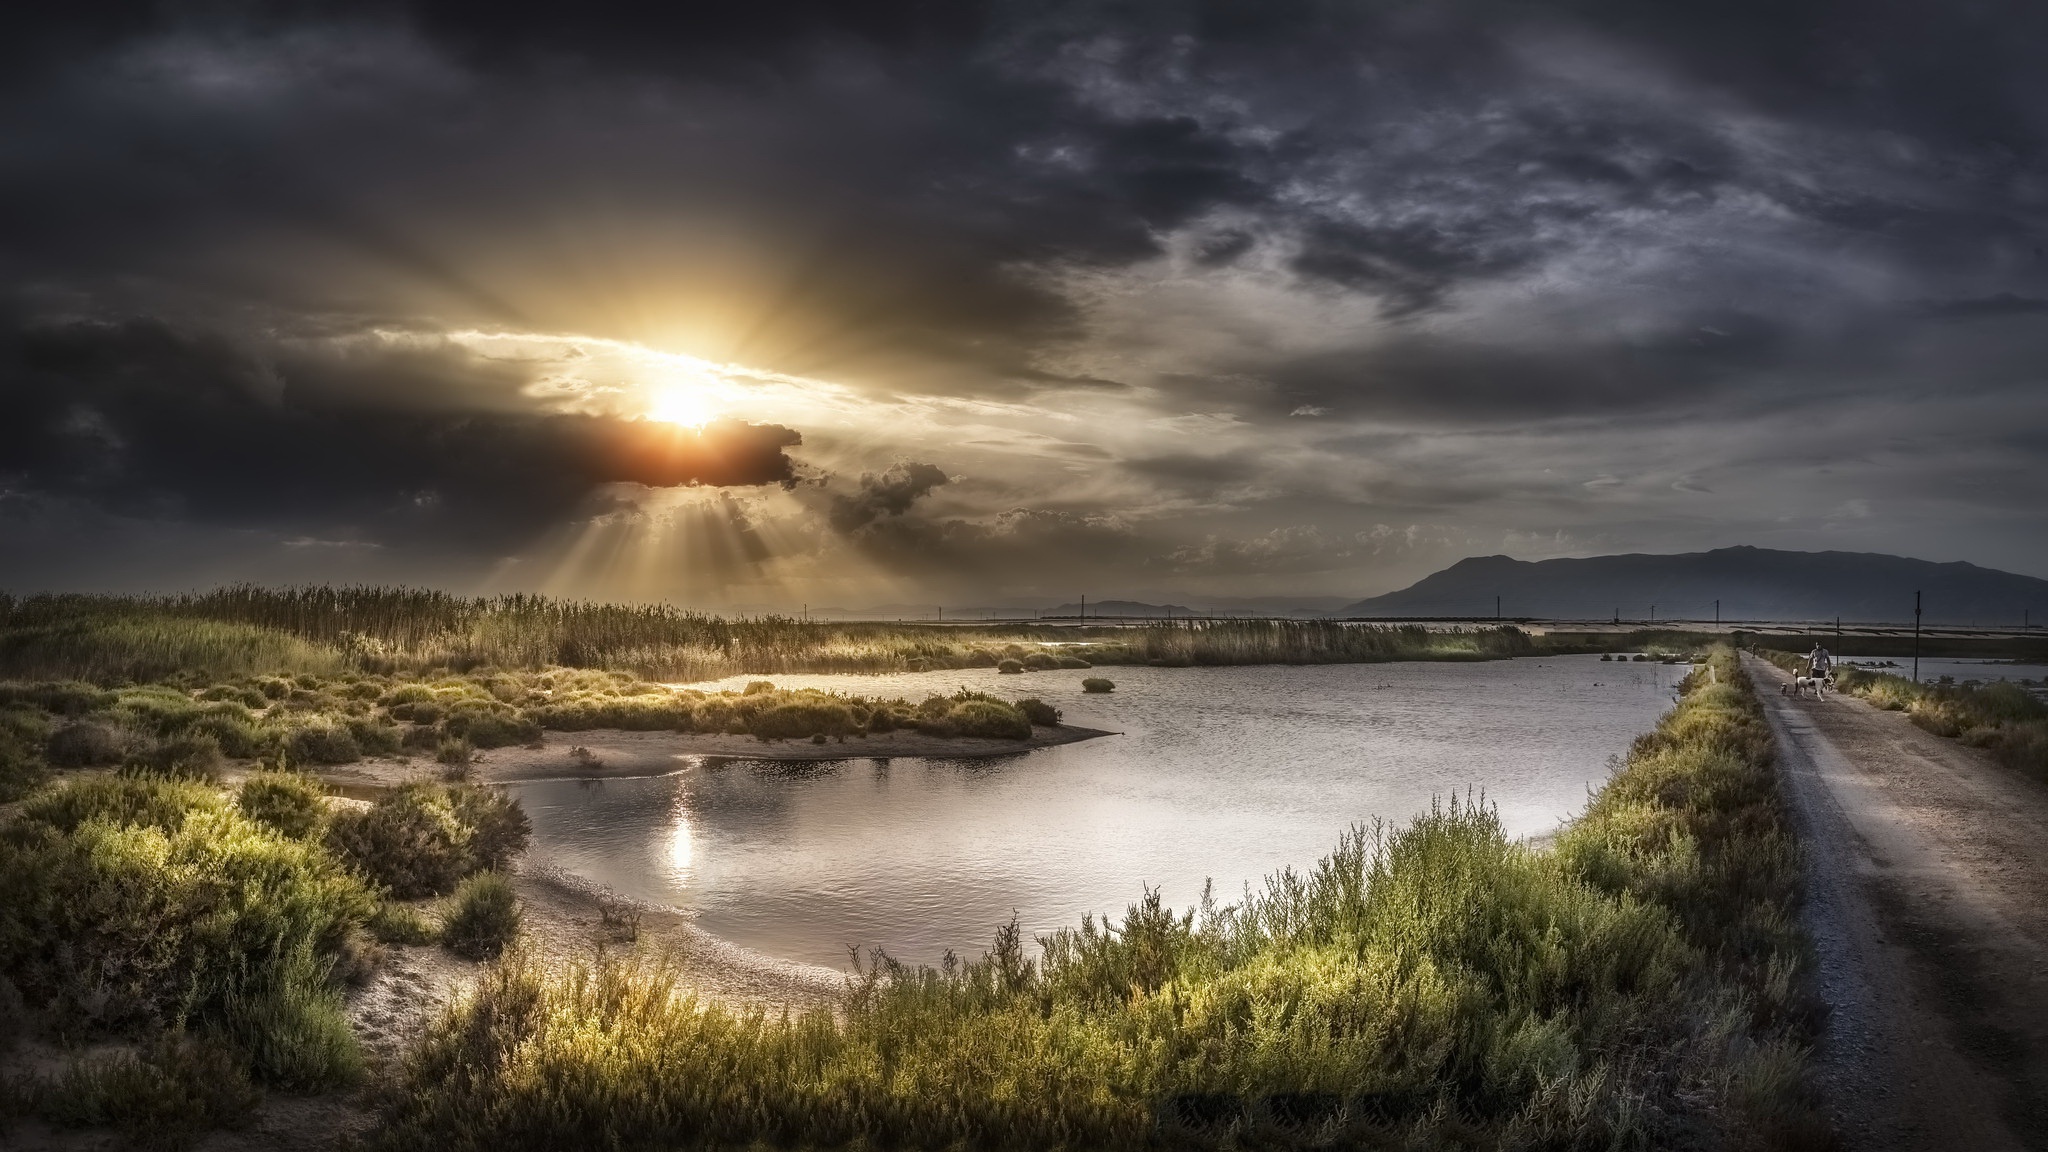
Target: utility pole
x=1084 y=607
x=942 y=613
x=1916 y=637
x=1838 y=636
x=1496 y=609
x=1717 y=613
x=1653 y=613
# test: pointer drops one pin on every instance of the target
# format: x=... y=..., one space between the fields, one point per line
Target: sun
x=681 y=405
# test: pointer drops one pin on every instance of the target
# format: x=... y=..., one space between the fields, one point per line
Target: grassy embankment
x=243 y=631
x=208 y=933
x=2003 y=718
x=1642 y=983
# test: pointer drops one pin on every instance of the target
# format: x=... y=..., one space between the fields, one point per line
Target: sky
x=886 y=302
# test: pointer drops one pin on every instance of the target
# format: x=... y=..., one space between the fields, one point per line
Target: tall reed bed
x=1641 y=985
x=247 y=629
x=2002 y=718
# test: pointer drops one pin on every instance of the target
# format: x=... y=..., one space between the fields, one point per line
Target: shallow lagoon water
x=1219 y=774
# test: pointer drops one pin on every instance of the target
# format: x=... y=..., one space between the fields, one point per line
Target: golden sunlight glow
x=681 y=847
x=680 y=404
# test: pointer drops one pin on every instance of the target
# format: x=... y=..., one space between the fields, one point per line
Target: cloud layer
x=1177 y=297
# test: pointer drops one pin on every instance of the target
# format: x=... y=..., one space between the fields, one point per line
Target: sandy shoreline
x=614 y=753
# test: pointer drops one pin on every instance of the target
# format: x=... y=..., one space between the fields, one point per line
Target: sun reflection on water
x=681 y=847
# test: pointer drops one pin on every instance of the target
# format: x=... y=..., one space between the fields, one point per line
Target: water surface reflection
x=1226 y=774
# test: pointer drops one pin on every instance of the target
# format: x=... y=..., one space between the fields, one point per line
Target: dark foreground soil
x=1928 y=878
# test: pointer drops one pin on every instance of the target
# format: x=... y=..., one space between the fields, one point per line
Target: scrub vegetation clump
x=1641 y=984
x=207 y=931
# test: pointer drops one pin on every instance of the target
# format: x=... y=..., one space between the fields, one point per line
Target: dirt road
x=1928 y=879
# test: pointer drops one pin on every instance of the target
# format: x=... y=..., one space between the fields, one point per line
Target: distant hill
x=1126 y=608
x=1751 y=584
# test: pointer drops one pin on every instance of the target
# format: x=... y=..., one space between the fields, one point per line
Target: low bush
x=291 y=804
x=1041 y=662
x=191 y=756
x=484 y=919
x=22 y=771
x=236 y=737
x=1074 y=662
x=495 y=726
x=457 y=751
x=423 y=839
x=409 y=841
x=61 y=698
x=86 y=744
x=189 y=921
x=804 y=717
x=497 y=825
x=161 y=1098
x=121 y=801
x=324 y=745
x=394 y=923
x=1010 y=667
x=987 y=718
x=1097 y=684
x=1039 y=712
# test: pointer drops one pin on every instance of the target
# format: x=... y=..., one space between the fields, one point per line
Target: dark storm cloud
x=141 y=420
x=889 y=493
x=1593 y=214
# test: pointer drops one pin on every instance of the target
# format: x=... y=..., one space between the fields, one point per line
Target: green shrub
x=1010 y=667
x=374 y=737
x=422 y=839
x=63 y=698
x=21 y=770
x=86 y=744
x=489 y=726
x=409 y=841
x=162 y=1098
x=1074 y=662
x=496 y=823
x=292 y=1027
x=804 y=717
x=1039 y=712
x=291 y=804
x=26 y=724
x=989 y=718
x=458 y=751
x=323 y=744
x=189 y=920
x=1097 y=684
x=191 y=756
x=394 y=923
x=756 y=687
x=120 y=800
x=1041 y=661
x=485 y=918
x=237 y=738
x=715 y=714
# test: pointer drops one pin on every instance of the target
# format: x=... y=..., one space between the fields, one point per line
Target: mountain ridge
x=1750 y=583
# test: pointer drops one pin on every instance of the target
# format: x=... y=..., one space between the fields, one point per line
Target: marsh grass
x=247 y=631
x=1643 y=984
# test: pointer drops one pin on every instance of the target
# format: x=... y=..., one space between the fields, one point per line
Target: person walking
x=1820 y=664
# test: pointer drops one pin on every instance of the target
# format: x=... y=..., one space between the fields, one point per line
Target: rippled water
x=1223 y=774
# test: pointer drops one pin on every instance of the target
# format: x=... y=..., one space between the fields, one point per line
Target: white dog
x=1819 y=685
